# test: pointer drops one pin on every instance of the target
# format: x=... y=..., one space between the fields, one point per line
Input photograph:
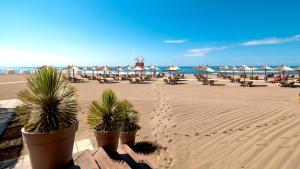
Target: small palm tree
x=106 y=114
x=49 y=102
x=131 y=118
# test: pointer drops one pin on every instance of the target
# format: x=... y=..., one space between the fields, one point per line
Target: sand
x=204 y=127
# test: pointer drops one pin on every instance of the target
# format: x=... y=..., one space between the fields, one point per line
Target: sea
x=183 y=70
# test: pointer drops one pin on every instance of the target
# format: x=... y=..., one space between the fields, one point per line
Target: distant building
x=139 y=61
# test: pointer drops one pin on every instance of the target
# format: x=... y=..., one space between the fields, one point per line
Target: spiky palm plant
x=49 y=102
x=130 y=117
x=106 y=114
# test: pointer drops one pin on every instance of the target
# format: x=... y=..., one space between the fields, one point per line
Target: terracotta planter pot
x=128 y=137
x=50 y=150
x=108 y=140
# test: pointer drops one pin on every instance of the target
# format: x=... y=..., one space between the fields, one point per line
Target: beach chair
x=249 y=84
x=291 y=84
x=211 y=82
x=238 y=80
x=246 y=83
x=173 y=81
x=166 y=81
x=204 y=82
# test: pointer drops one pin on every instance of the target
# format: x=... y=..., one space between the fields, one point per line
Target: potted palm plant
x=48 y=113
x=130 y=125
x=105 y=118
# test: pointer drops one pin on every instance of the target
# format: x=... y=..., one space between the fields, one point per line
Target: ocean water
x=183 y=70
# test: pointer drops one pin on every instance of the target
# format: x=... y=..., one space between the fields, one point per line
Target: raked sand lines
x=237 y=135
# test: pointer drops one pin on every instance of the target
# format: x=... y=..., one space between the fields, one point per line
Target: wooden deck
x=123 y=158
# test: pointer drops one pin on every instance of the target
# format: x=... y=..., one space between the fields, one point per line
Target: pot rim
x=115 y=130
x=132 y=131
x=76 y=123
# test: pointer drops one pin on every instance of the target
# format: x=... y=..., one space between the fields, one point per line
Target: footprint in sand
x=258 y=126
x=187 y=135
x=174 y=125
x=207 y=135
x=196 y=134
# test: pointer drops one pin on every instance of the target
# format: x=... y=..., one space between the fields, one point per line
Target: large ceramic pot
x=108 y=139
x=50 y=150
x=128 y=137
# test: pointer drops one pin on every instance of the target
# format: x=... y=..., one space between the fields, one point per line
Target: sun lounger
x=211 y=82
x=246 y=83
x=287 y=84
x=204 y=82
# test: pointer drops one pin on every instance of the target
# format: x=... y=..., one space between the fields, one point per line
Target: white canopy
x=284 y=68
x=245 y=68
x=172 y=68
x=138 y=68
x=207 y=69
x=266 y=67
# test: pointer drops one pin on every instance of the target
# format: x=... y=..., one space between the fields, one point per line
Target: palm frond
x=106 y=114
x=130 y=117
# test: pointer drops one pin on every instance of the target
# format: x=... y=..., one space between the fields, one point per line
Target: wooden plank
x=86 y=160
x=142 y=160
x=102 y=159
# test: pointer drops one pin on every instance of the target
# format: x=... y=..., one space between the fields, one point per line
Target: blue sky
x=165 y=32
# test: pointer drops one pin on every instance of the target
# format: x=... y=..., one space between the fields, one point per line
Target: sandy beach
x=203 y=127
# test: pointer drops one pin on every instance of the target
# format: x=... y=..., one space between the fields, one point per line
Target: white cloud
x=176 y=41
x=200 y=52
x=21 y=57
x=269 y=41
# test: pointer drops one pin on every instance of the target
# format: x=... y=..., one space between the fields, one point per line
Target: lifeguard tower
x=139 y=61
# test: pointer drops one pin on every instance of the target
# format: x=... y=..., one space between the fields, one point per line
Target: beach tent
x=245 y=68
x=172 y=69
x=233 y=69
x=253 y=68
x=207 y=69
x=266 y=68
x=283 y=69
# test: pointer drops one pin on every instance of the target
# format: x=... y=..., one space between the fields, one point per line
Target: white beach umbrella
x=253 y=68
x=284 y=68
x=137 y=68
x=128 y=68
x=245 y=68
x=118 y=69
x=233 y=69
x=266 y=68
x=105 y=69
x=225 y=68
x=207 y=69
x=298 y=69
x=84 y=69
x=73 y=69
x=93 y=68
x=172 y=69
